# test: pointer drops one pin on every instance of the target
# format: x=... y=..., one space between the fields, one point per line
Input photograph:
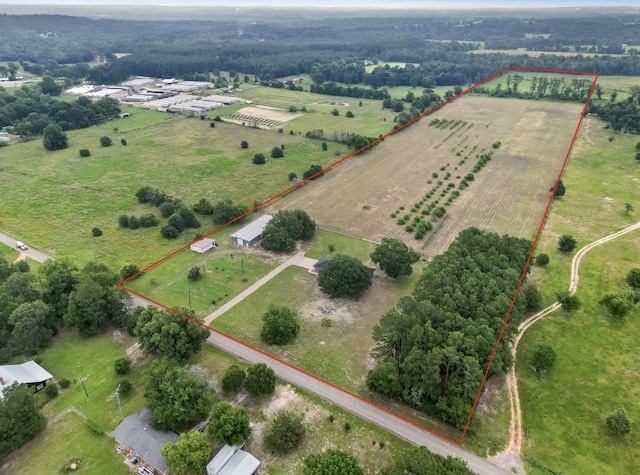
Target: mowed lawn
x=63 y=440
x=226 y=271
x=507 y=196
x=52 y=200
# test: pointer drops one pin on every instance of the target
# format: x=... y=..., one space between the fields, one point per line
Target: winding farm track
x=511 y=454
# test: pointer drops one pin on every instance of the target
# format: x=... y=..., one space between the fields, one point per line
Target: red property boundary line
x=523 y=274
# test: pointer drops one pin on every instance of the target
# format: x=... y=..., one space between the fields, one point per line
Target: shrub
x=277 y=152
x=122 y=365
x=123 y=141
x=194 y=274
x=128 y=270
x=134 y=222
x=618 y=423
x=64 y=383
x=105 y=141
x=326 y=322
x=349 y=115
x=51 y=390
x=244 y=144
x=292 y=176
x=542 y=260
x=284 y=433
x=96 y=232
x=279 y=325
x=313 y=170
x=169 y=232
x=123 y=220
x=213 y=124
x=125 y=387
x=148 y=220
x=167 y=209
x=84 y=152
x=324 y=146
x=258 y=159
x=176 y=221
x=95 y=426
x=233 y=378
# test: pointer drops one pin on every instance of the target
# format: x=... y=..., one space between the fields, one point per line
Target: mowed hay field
x=508 y=195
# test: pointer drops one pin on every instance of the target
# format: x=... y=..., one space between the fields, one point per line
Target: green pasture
x=596 y=370
x=596 y=373
x=52 y=200
x=369 y=119
x=226 y=270
x=600 y=178
x=66 y=439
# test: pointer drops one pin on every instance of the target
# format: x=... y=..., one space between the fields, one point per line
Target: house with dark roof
x=251 y=234
x=136 y=434
x=29 y=373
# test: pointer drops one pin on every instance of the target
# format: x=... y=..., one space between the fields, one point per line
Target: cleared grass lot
x=53 y=199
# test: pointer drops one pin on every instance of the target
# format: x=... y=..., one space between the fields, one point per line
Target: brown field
x=507 y=196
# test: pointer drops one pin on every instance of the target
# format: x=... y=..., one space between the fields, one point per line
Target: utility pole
x=118 y=398
x=81 y=379
x=242 y=262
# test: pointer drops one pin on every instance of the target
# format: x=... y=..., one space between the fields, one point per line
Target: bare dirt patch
x=262 y=116
x=507 y=196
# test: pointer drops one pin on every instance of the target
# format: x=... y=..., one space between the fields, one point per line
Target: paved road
x=349 y=402
x=34 y=254
x=298 y=259
x=356 y=405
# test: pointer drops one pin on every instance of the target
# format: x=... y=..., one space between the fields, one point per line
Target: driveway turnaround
x=31 y=253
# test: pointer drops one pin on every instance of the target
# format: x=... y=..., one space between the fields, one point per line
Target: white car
x=21 y=245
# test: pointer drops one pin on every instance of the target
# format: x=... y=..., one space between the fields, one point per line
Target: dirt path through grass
x=510 y=457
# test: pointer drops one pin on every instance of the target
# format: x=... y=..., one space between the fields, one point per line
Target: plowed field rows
x=508 y=195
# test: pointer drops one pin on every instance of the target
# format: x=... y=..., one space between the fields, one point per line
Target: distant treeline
x=540 y=87
x=622 y=116
x=331 y=46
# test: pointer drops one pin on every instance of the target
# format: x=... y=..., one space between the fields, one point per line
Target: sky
x=444 y=4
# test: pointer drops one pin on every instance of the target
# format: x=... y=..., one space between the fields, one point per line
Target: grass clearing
x=8 y=253
x=369 y=119
x=359 y=197
x=63 y=440
x=339 y=353
x=73 y=357
x=596 y=372
x=182 y=156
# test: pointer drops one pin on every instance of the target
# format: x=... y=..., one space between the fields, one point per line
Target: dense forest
x=332 y=45
x=433 y=348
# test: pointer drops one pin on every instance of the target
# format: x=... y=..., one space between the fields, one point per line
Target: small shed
x=232 y=460
x=203 y=245
x=29 y=373
x=320 y=264
x=251 y=234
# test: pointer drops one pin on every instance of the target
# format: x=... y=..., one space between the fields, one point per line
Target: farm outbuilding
x=203 y=245
x=250 y=235
x=232 y=460
x=29 y=373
